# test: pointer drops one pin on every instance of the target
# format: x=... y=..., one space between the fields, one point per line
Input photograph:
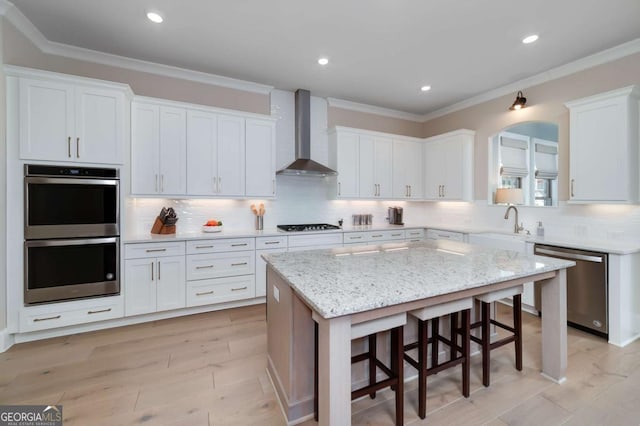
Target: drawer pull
x=46 y=319
x=272 y=242
x=239 y=264
x=444 y=236
x=203 y=247
x=239 y=288
x=396 y=235
x=204 y=267
x=204 y=293
x=376 y=236
x=155 y=250
x=239 y=245
x=355 y=238
x=100 y=311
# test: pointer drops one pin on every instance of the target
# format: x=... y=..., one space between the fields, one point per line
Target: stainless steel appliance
x=70 y=202
x=71 y=231
x=395 y=215
x=587 y=288
x=308 y=227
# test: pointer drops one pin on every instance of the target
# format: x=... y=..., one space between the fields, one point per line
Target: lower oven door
x=57 y=270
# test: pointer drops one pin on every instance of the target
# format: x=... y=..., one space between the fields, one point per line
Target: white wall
x=3 y=192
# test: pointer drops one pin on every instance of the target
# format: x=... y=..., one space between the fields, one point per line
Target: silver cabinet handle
x=239 y=264
x=203 y=247
x=273 y=187
x=355 y=238
x=46 y=319
x=339 y=189
x=156 y=182
x=406 y=190
x=376 y=236
x=239 y=288
x=213 y=181
x=78 y=147
x=444 y=191
x=162 y=182
x=271 y=242
x=100 y=311
x=154 y=250
x=158 y=270
x=219 y=184
x=444 y=236
x=396 y=235
x=69 y=146
x=204 y=293
x=151 y=271
x=409 y=190
x=239 y=245
x=572 y=181
x=204 y=267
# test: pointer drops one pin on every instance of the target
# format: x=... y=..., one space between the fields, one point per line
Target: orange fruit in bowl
x=212 y=222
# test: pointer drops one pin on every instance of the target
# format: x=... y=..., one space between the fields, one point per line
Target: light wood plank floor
x=209 y=369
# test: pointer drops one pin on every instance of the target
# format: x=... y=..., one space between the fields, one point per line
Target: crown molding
x=609 y=55
x=387 y=112
x=26 y=27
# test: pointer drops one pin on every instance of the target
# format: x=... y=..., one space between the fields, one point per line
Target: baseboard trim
x=6 y=340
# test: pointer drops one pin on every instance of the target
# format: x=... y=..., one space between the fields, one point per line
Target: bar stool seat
x=485 y=322
x=459 y=354
x=394 y=372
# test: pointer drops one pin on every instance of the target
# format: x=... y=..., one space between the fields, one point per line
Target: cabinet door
x=46 y=120
x=452 y=158
x=170 y=283
x=260 y=158
x=433 y=171
x=598 y=147
x=99 y=125
x=407 y=169
x=347 y=156
x=139 y=286
x=366 y=171
x=173 y=150
x=383 y=166
x=202 y=153
x=231 y=149
x=261 y=270
x=414 y=171
x=145 y=149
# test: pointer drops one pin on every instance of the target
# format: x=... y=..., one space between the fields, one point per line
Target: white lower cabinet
x=266 y=245
x=218 y=290
x=440 y=234
x=154 y=276
x=35 y=318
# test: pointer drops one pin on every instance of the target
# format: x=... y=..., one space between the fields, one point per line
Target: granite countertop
x=345 y=281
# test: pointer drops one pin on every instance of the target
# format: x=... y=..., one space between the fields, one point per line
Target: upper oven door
x=62 y=207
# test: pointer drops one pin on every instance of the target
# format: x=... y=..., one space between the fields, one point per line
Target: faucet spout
x=516 y=228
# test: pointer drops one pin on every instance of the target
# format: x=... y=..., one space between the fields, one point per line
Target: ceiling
x=381 y=51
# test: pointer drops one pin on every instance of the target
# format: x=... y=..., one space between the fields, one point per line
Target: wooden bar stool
x=459 y=353
x=394 y=372
x=485 y=322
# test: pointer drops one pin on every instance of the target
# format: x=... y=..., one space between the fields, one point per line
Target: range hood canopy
x=303 y=164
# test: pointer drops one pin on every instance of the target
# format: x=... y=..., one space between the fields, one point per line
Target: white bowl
x=217 y=228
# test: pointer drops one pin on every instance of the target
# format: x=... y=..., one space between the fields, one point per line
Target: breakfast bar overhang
x=342 y=287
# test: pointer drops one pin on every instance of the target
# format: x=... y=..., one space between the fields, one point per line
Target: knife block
x=159 y=228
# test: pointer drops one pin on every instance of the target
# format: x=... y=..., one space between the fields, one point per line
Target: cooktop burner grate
x=308 y=227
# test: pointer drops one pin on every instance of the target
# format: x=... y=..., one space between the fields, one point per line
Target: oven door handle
x=72 y=181
x=72 y=242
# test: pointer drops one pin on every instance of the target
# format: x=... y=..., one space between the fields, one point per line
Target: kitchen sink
x=515 y=242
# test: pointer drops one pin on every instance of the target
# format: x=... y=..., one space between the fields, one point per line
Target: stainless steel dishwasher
x=587 y=288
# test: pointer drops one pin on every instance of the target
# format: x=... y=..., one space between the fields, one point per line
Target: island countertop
x=344 y=281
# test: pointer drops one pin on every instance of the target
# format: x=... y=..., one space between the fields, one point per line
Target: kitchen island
x=341 y=287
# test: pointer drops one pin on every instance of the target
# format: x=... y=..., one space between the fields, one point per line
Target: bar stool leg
x=435 y=331
x=454 y=335
x=315 y=373
x=517 y=325
x=398 y=354
x=486 y=343
x=423 y=338
x=372 y=362
x=466 y=352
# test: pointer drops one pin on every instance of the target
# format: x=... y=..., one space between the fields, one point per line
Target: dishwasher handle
x=572 y=256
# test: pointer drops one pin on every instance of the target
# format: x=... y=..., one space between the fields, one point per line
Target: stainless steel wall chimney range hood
x=303 y=164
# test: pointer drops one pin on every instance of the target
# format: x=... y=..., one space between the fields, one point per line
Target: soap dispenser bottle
x=540 y=230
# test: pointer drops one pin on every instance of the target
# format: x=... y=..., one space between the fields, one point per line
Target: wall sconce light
x=520 y=101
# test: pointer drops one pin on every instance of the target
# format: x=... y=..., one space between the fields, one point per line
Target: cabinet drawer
x=215 y=265
x=144 y=250
x=46 y=317
x=222 y=244
x=270 y=242
x=207 y=292
x=385 y=235
x=355 y=237
x=315 y=240
x=436 y=234
x=414 y=234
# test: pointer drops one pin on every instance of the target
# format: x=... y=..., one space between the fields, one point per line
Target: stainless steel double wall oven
x=71 y=231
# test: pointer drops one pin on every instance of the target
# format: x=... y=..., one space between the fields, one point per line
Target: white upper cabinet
x=603 y=147
x=345 y=147
x=448 y=166
x=375 y=172
x=407 y=169
x=260 y=158
x=64 y=121
x=231 y=149
x=158 y=149
x=202 y=153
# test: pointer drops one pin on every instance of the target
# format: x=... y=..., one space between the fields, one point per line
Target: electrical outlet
x=276 y=293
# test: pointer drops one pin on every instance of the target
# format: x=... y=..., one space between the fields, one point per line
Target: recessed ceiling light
x=425 y=88
x=155 y=17
x=530 y=39
x=323 y=61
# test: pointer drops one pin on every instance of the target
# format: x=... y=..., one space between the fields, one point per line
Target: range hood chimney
x=303 y=164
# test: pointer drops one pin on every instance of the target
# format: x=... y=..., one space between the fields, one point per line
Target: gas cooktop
x=308 y=227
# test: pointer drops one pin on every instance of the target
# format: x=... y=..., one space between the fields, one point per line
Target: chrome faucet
x=516 y=228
